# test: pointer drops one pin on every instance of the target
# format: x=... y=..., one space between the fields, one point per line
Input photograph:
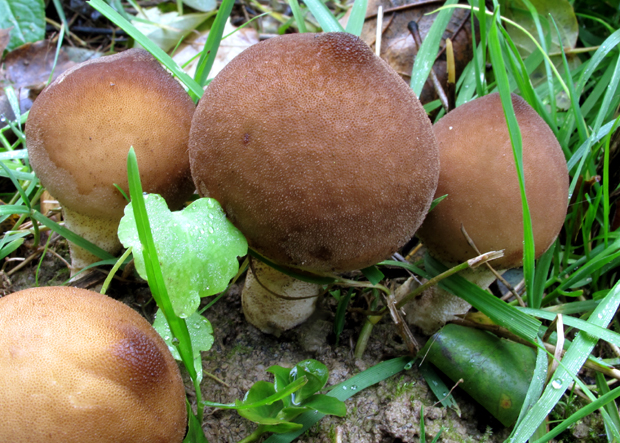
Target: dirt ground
x=388 y=412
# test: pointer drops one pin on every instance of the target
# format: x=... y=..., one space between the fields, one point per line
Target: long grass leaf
x=571 y=363
x=155 y=277
x=72 y=237
x=517 y=149
x=429 y=49
x=209 y=52
x=500 y=312
x=147 y=44
x=323 y=15
x=298 y=15
x=357 y=17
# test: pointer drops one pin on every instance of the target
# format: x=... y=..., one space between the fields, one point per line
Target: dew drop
x=556 y=384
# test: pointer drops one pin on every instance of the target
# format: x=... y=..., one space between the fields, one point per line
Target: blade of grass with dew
x=323 y=16
x=612 y=426
x=499 y=70
x=345 y=390
x=357 y=17
x=538 y=382
x=299 y=17
x=155 y=277
x=427 y=52
x=144 y=41
x=209 y=52
x=606 y=183
x=596 y=331
x=500 y=312
x=572 y=362
x=581 y=413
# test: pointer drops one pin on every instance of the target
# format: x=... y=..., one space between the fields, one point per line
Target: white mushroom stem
x=101 y=232
x=274 y=302
x=436 y=306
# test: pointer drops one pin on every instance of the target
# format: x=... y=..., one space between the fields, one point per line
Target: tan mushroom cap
x=80 y=129
x=77 y=366
x=317 y=150
x=478 y=173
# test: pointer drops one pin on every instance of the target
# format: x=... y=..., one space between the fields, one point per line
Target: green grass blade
x=500 y=312
x=299 y=17
x=571 y=363
x=155 y=50
x=71 y=236
x=429 y=49
x=357 y=17
x=209 y=51
x=499 y=70
x=538 y=382
x=326 y=19
x=596 y=331
x=581 y=413
x=153 y=270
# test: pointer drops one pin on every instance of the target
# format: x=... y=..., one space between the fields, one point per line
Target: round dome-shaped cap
x=317 y=150
x=79 y=367
x=82 y=125
x=479 y=176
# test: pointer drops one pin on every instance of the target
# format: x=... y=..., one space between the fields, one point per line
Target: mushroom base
x=436 y=306
x=275 y=302
x=101 y=232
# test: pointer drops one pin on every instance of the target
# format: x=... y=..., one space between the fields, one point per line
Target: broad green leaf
x=165 y=29
x=201 y=5
x=26 y=17
x=197 y=248
x=200 y=333
x=195 y=434
x=326 y=405
x=317 y=375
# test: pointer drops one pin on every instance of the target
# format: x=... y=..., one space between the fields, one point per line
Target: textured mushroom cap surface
x=317 y=150
x=479 y=175
x=77 y=366
x=82 y=125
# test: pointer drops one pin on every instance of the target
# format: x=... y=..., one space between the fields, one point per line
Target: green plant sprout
x=274 y=405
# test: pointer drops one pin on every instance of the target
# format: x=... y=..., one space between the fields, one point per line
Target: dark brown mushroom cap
x=317 y=150
x=478 y=173
x=82 y=125
x=77 y=366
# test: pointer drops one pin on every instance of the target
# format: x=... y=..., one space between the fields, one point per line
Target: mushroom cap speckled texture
x=77 y=366
x=479 y=176
x=82 y=125
x=317 y=150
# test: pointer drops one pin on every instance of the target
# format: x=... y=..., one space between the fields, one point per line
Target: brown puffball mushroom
x=79 y=367
x=79 y=132
x=479 y=176
x=317 y=150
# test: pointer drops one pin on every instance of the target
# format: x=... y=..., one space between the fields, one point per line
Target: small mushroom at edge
x=81 y=127
x=479 y=176
x=78 y=367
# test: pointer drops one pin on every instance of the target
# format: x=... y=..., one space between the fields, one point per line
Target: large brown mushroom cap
x=77 y=366
x=478 y=173
x=81 y=127
x=317 y=150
